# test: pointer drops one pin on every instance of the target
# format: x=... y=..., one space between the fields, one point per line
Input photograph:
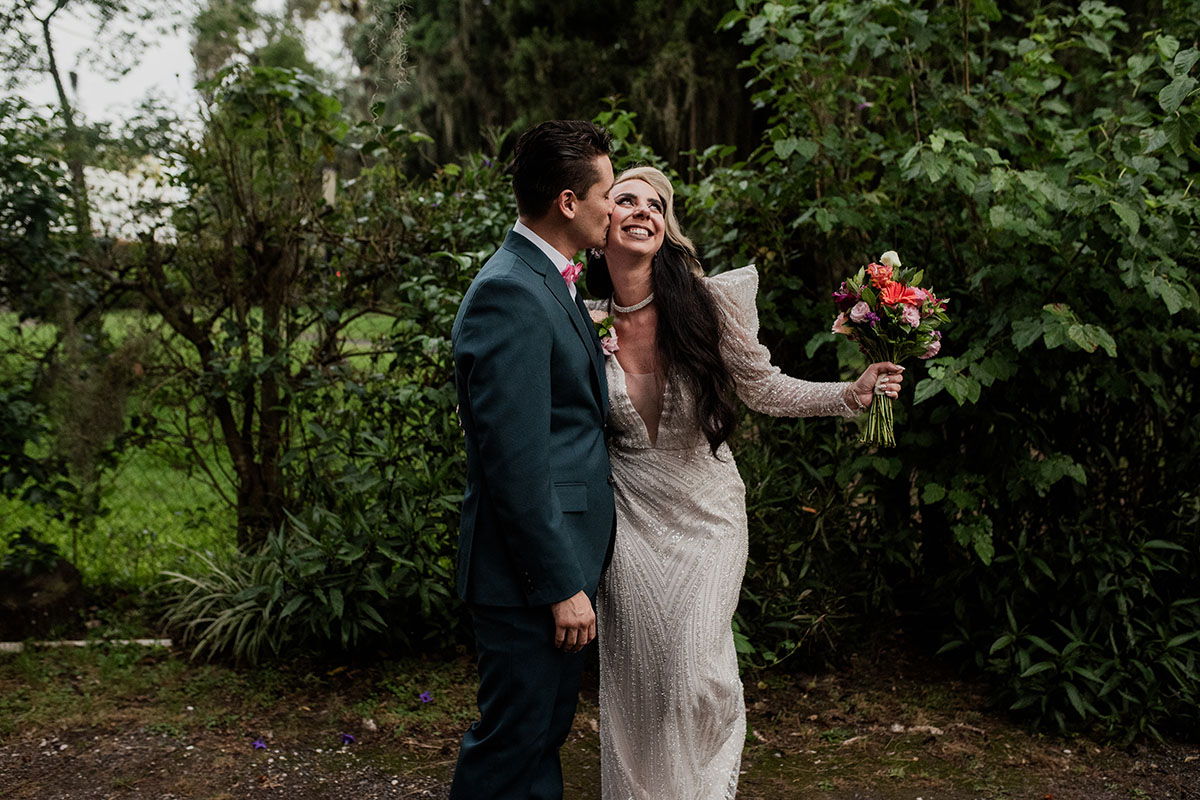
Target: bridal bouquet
x=892 y=318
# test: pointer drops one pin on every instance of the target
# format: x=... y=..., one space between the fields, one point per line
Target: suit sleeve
x=503 y=349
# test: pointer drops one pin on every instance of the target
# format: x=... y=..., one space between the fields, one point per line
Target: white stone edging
x=17 y=647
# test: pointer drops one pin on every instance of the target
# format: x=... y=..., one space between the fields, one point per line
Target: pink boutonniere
x=606 y=330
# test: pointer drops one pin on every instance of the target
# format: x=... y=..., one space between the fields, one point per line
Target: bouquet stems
x=880 y=427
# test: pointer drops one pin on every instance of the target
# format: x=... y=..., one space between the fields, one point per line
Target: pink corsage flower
x=606 y=330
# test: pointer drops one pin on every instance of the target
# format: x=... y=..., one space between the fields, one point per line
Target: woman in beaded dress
x=672 y=718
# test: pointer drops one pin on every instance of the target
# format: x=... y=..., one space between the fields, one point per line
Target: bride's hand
x=882 y=377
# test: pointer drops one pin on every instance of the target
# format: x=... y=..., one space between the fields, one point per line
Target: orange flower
x=881 y=274
x=895 y=292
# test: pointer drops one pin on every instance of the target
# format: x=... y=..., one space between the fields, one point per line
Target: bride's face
x=637 y=225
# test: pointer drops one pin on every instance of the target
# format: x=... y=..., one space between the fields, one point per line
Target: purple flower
x=487 y=162
x=864 y=104
x=872 y=318
x=844 y=299
x=425 y=697
x=259 y=744
x=347 y=738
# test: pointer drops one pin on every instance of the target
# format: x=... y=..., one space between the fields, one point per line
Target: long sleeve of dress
x=760 y=384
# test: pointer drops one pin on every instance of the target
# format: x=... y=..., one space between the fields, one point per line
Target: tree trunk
x=73 y=141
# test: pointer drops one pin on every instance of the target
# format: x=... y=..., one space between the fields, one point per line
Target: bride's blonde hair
x=662 y=184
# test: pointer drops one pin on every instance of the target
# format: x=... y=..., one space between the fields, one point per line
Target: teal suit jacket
x=537 y=517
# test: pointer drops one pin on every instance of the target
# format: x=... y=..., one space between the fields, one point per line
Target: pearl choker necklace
x=635 y=307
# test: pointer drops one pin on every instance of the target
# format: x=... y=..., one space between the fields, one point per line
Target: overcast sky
x=165 y=70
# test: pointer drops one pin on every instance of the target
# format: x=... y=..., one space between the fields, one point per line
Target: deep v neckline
x=651 y=441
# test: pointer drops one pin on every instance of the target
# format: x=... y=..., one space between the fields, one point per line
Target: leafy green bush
x=1038 y=164
x=230 y=606
x=34 y=203
x=373 y=463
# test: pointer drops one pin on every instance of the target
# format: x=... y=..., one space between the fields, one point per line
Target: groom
x=537 y=518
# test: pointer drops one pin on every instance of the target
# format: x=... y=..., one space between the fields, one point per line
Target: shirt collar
x=559 y=261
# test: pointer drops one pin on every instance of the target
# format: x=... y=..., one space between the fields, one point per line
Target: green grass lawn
x=153 y=510
x=153 y=515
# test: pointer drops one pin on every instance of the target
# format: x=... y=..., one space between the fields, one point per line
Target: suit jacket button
x=612 y=481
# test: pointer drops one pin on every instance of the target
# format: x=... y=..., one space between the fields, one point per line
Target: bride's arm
x=760 y=384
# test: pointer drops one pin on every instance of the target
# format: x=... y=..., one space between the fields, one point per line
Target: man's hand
x=574 y=622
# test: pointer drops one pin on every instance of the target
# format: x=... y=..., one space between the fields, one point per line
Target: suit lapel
x=597 y=354
x=528 y=252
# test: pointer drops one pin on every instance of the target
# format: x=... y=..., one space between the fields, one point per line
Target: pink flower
x=605 y=329
x=839 y=325
x=934 y=346
x=910 y=315
x=859 y=312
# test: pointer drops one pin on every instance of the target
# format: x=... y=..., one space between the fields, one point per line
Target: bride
x=672 y=716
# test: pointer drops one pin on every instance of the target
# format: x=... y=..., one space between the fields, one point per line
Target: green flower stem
x=880 y=427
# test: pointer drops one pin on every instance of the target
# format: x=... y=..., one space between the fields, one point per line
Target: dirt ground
x=888 y=728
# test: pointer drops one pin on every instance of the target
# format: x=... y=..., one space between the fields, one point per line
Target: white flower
x=890 y=259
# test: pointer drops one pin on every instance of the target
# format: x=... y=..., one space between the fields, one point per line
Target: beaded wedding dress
x=672 y=718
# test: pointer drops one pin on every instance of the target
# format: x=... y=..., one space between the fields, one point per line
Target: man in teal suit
x=538 y=518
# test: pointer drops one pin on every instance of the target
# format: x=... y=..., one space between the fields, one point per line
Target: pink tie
x=571 y=273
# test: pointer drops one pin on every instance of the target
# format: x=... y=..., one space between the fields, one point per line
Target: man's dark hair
x=553 y=156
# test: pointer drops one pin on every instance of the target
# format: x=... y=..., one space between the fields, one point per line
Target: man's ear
x=566 y=203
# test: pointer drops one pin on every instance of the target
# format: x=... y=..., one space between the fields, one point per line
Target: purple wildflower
x=347 y=738
x=872 y=318
x=259 y=744
x=864 y=104
x=487 y=162
x=425 y=697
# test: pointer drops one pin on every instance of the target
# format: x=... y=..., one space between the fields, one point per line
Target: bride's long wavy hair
x=688 y=327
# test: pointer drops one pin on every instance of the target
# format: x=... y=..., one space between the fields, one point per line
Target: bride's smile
x=637 y=220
